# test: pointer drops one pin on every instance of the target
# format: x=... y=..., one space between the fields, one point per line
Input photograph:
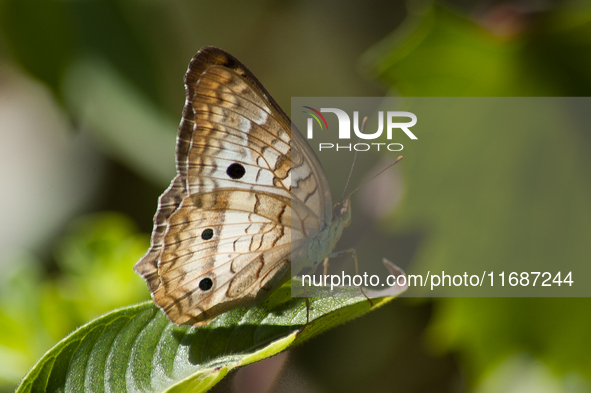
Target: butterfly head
x=342 y=212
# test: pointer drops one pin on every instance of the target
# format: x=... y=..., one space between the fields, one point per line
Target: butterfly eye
x=205 y=284
x=236 y=171
x=207 y=234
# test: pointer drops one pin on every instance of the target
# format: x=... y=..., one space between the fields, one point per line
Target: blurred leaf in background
x=92 y=277
x=497 y=195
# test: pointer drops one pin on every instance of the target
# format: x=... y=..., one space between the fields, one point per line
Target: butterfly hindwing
x=230 y=240
x=168 y=202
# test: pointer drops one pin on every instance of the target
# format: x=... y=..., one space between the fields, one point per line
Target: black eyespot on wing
x=205 y=284
x=236 y=171
x=207 y=234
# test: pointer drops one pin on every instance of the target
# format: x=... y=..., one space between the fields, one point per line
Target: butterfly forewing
x=235 y=127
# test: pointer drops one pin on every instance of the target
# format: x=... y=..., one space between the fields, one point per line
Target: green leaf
x=137 y=348
x=438 y=52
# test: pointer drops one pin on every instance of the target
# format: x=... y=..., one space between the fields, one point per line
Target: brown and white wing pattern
x=225 y=227
x=169 y=201
x=240 y=143
x=223 y=249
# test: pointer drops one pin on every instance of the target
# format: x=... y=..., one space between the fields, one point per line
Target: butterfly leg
x=340 y=253
x=367 y=297
x=307 y=300
x=325 y=264
x=354 y=253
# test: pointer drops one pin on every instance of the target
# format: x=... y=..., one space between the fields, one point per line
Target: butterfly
x=249 y=202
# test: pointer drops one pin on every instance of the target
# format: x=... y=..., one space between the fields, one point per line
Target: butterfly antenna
x=354 y=159
x=378 y=174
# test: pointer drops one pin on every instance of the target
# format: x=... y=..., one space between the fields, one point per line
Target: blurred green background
x=91 y=95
